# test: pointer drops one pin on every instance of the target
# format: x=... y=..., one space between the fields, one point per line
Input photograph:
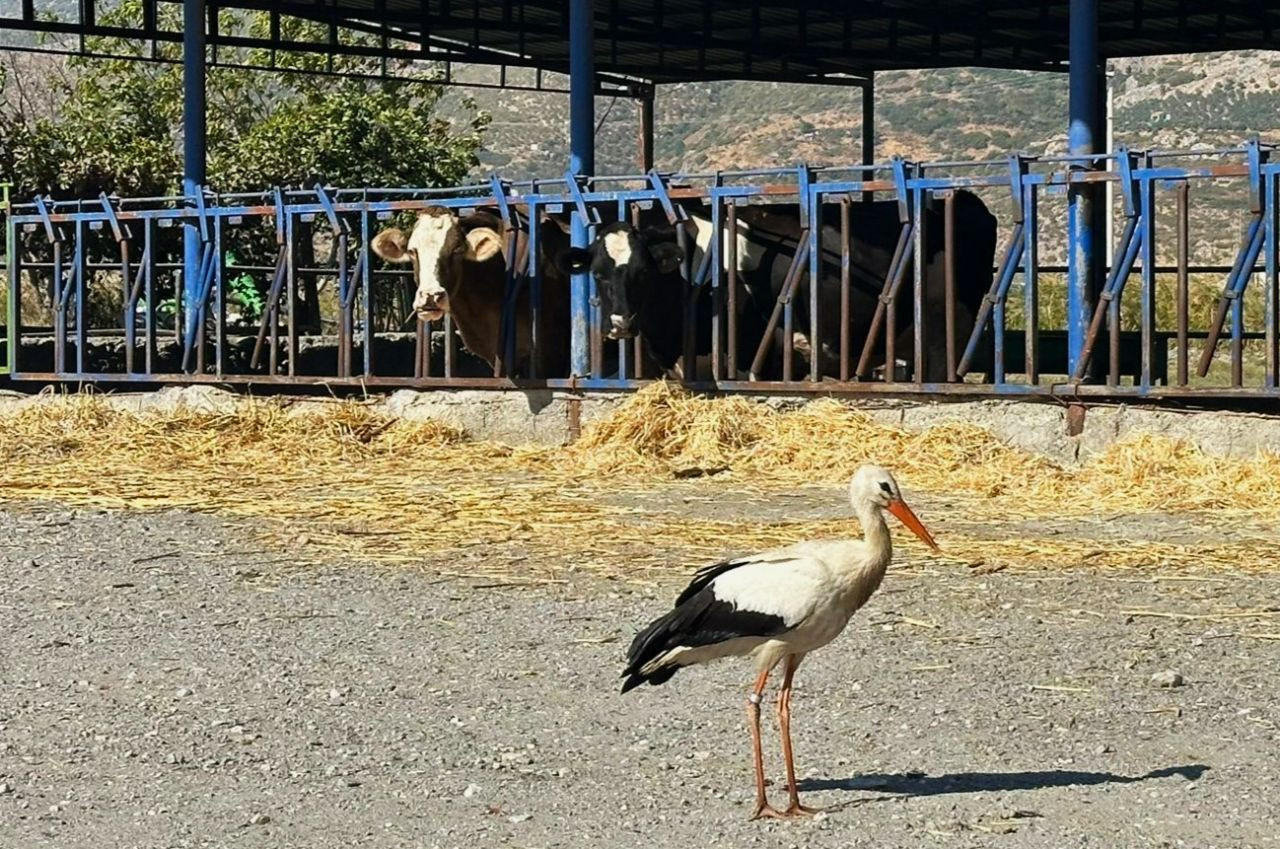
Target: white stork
x=776 y=606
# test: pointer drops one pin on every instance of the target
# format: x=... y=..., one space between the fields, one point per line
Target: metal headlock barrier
x=289 y=290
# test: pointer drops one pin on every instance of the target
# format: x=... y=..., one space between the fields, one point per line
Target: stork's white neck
x=875 y=532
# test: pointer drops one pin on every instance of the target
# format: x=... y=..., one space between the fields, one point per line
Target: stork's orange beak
x=899 y=509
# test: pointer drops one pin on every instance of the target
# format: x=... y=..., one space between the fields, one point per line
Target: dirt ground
x=169 y=681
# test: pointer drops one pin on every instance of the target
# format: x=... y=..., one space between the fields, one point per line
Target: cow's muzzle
x=431 y=307
x=621 y=327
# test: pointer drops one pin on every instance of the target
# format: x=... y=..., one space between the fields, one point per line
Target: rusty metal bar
x=920 y=269
x=1232 y=291
x=274 y=360
x=788 y=327
x=450 y=345
x=1113 y=290
x=271 y=312
x=345 y=328
x=731 y=299
x=1182 y=225
x=596 y=350
x=689 y=354
x=638 y=341
x=219 y=295
x=132 y=291
x=146 y=268
x=897 y=269
x=813 y=203
x=949 y=281
x=717 y=286
x=846 y=275
x=61 y=291
x=1148 y=304
x=1237 y=341
x=784 y=296
x=1272 y=294
x=81 y=295
x=366 y=272
x=1031 y=282
x=999 y=289
x=421 y=348
x=532 y=253
x=506 y=349
x=355 y=284
x=291 y=295
x=1113 y=338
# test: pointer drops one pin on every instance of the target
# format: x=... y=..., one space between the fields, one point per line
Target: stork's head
x=873 y=487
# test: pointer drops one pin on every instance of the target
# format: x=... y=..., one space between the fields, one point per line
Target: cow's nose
x=428 y=301
x=620 y=324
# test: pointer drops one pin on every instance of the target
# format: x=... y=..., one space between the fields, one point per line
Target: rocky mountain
x=1218 y=99
x=952 y=114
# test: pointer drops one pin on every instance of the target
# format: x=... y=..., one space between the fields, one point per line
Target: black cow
x=643 y=294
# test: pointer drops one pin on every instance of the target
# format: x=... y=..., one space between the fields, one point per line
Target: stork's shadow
x=919 y=784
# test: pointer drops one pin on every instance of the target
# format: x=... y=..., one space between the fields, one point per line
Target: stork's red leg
x=784 y=724
x=763 y=808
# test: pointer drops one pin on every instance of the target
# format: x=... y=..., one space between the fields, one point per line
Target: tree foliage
x=120 y=126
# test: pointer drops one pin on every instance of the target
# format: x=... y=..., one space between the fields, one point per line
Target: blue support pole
x=582 y=163
x=193 y=149
x=1083 y=137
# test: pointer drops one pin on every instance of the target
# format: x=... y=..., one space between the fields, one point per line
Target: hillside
x=1167 y=102
x=952 y=113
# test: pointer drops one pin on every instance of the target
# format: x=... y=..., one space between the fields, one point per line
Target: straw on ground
x=353 y=482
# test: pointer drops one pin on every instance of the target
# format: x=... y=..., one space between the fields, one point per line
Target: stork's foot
x=798 y=810
x=765 y=811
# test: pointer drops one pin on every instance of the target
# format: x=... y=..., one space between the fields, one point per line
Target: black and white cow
x=643 y=294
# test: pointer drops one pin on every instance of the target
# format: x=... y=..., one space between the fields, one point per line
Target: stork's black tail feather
x=650 y=643
x=658 y=676
x=698 y=619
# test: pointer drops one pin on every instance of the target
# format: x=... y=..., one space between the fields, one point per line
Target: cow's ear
x=561 y=224
x=392 y=245
x=483 y=244
x=668 y=256
x=574 y=260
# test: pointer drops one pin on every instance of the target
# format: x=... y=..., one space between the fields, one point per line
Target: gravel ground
x=167 y=685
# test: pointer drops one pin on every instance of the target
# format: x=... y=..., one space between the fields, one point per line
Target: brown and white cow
x=459 y=269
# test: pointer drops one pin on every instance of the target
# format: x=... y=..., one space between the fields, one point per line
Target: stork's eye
x=884 y=487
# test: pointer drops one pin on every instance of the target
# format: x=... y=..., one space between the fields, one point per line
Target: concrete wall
x=544 y=417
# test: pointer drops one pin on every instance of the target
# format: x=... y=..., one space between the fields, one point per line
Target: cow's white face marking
x=750 y=255
x=618 y=248
x=431 y=300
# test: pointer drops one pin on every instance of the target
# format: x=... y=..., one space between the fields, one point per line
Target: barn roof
x=666 y=41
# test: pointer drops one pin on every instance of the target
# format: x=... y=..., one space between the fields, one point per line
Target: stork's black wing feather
x=705 y=575
x=699 y=619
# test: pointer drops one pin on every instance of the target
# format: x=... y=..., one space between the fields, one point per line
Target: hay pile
x=824 y=441
x=353 y=482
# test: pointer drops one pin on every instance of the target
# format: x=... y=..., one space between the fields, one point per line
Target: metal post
x=193 y=147
x=582 y=162
x=1109 y=82
x=13 y=320
x=646 y=131
x=868 y=128
x=1082 y=138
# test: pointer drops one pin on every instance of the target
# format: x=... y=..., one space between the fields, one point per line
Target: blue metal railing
x=169 y=326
